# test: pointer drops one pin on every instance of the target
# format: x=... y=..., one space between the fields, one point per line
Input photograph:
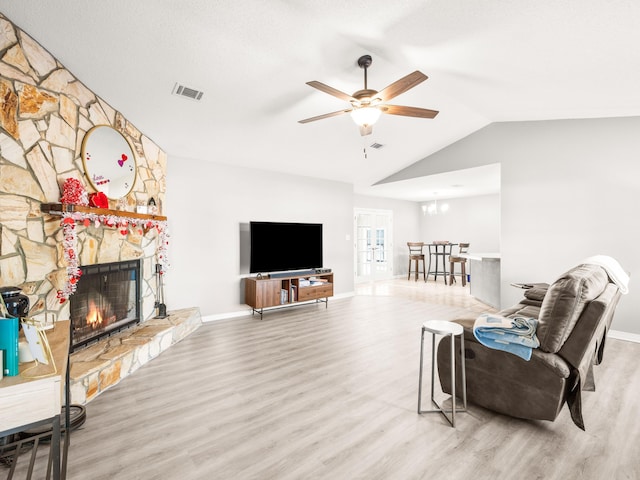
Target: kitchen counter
x=484 y=269
x=480 y=256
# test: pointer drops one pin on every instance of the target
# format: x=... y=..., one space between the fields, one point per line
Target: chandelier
x=433 y=208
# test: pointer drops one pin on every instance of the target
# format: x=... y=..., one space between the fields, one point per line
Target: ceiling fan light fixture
x=367 y=104
x=364 y=116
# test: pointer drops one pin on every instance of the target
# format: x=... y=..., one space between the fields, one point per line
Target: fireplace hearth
x=107 y=299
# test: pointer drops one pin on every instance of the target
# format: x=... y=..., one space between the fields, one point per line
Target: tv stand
x=268 y=292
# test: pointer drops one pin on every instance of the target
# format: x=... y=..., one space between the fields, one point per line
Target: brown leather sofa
x=574 y=314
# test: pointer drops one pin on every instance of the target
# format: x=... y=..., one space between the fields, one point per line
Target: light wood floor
x=315 y=393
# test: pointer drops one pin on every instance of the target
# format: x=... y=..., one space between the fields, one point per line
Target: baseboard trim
x=629 y=337
x=247 y=310
x=225 y=316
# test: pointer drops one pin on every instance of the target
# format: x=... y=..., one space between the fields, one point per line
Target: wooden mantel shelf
x=60 y=208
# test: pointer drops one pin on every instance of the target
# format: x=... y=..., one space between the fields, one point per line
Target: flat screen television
x=279 y=246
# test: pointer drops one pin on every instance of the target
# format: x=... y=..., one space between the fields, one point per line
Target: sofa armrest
x=552 y=361
x=522 y=310
x=583 y=344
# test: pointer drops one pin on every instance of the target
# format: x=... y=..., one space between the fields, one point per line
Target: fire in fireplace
x=107 y=300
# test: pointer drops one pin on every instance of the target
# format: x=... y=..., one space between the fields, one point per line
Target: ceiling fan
x=367 y=104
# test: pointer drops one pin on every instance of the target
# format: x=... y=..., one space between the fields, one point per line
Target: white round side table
x=443 y=328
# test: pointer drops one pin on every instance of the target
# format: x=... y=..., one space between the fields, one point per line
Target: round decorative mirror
x=108 y=161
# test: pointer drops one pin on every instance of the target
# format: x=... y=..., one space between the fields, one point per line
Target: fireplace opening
x=107 y=299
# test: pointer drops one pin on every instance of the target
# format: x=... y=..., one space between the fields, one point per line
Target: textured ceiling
x=487 y=61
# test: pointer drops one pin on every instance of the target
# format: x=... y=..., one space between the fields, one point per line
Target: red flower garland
x=70 y=242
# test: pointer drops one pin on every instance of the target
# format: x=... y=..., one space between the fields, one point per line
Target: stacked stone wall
x=45 y=112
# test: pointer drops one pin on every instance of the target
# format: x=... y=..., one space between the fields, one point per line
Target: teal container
x=9 y=345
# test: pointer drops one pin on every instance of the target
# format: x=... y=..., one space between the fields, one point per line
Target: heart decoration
x=99 y=200
x=122 y=160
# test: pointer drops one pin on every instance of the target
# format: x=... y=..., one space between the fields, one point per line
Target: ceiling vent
x=377 y=146
x=182 y=91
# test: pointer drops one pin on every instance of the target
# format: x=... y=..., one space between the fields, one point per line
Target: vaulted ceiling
x=487 y=61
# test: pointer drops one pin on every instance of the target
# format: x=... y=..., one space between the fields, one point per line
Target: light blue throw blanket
x=514 y=335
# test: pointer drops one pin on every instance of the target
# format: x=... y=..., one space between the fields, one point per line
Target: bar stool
x=445 y=328
x=415 y=256
x=453 y=259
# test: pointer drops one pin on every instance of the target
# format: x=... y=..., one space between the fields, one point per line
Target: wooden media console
x=266 y=292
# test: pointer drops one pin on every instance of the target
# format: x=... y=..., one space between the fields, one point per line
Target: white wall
x=475 y=220
x=209 y=204
x=569 y=190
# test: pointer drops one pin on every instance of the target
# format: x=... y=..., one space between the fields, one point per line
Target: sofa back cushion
x=565 y=300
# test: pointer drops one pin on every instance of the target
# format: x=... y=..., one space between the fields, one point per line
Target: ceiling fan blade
x=331 y=91
x=408 y=111
x=326 y=115
x=401 y=86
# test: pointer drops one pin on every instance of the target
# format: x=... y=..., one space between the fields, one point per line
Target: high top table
x=439 y=252
x=29 y=402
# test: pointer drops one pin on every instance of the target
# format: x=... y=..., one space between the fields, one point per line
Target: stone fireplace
x=45 y=113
